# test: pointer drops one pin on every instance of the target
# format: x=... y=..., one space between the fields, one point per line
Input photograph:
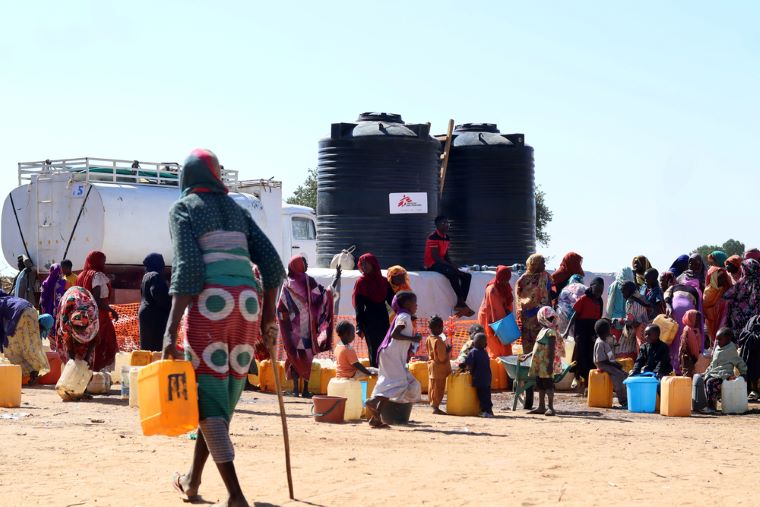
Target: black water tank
x=377 y=188
x=489 y=196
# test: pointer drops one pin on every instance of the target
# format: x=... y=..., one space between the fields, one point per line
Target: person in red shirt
x=437 y=259
x=588 y=309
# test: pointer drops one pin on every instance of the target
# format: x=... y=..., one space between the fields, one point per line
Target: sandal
x=177 y=485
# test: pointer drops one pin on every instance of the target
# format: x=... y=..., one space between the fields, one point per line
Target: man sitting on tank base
x=437 y=259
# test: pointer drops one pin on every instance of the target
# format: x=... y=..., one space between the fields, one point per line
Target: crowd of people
x=227 y=278
x=710 y=309
x=75 y=314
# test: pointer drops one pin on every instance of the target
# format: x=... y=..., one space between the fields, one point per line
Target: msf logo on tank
x=408 y=202
x=177 y=386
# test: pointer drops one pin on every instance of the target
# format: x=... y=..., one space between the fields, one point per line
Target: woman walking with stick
x=215 y=243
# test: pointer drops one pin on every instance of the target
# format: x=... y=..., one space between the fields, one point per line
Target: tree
x=543 y=216
x=306 y=194
x=730 y=247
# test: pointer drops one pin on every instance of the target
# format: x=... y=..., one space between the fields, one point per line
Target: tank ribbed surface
x=360 y=165
x=489 y=196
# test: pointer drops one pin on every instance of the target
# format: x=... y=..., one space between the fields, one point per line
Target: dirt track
x=93 y=453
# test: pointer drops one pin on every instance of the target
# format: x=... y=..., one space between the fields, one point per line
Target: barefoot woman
x=215 y=241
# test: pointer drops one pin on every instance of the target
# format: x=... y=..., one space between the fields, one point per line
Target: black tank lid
x=476 y=127
x=383 y=117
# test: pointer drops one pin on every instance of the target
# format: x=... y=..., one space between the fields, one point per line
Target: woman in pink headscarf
x=679 y=299
x=305 y=315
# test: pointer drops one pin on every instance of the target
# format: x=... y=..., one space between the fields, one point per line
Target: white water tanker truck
x=69 y=207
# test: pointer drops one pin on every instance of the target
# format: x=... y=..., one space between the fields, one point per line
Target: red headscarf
x=570 y=265
x=372 y=286
x=297 y=276
x=296 y=266
x=95 y=263
x=501 y=284
x=752 y=254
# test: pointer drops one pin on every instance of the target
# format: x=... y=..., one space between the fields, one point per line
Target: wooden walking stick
x=286 y=438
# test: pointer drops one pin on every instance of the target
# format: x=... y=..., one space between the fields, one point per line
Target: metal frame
x=81 y=170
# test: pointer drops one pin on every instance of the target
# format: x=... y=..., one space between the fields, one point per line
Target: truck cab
x=299 y=233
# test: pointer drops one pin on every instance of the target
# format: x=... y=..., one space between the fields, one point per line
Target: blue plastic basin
x=642 y=393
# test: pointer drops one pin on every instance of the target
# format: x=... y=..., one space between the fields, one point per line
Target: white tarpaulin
x=434 y=293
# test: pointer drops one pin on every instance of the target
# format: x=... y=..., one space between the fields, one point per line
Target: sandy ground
x=93 y=453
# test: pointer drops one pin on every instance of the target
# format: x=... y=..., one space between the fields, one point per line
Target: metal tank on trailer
x=489 y=196
x=377 y=189
x=67 y=208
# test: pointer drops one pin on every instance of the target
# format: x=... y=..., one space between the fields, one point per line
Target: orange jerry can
x=141 y=357
x=286 y=384
x=168 y=398
x=420 y=371
x=51 y=377
x=675 y=398
x=498 y=376
x=10 y=385
x=599 y=389
x=626 y=363
x=462 y=398
x=266 y=376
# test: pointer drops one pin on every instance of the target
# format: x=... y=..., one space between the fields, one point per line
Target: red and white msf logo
x=405 y=201
x=400 y=203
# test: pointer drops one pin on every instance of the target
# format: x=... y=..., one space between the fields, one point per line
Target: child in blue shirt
x=479 y=365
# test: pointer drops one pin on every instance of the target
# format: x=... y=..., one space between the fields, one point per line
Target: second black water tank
x=377 y=188
x=489 y=196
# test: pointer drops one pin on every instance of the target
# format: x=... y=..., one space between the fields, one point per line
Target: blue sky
x=644 y=116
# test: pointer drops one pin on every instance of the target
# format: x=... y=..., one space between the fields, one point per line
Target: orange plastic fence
x=128 y=333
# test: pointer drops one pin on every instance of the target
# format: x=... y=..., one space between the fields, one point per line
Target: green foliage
x=543 y=216
x=306 y=194
x=731 y=247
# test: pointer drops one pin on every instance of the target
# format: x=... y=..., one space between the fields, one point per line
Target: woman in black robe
x=155 y=303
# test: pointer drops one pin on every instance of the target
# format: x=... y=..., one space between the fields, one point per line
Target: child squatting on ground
x=479 y=365
x=604 y=359
x=395 y=382
x=347 y=364
x=725 y=358
x=547 y=359
x=439 y=363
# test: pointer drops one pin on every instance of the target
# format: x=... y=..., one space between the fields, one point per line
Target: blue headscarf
x=46 y=324
x=680 y=265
